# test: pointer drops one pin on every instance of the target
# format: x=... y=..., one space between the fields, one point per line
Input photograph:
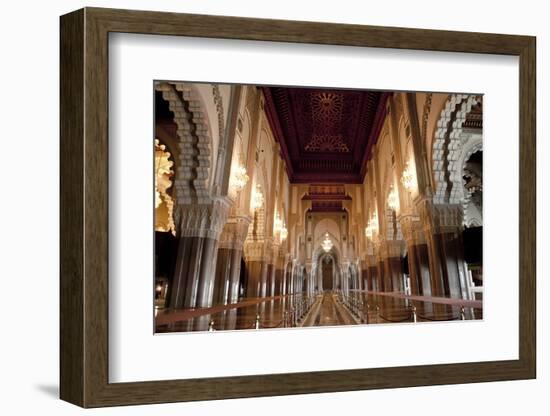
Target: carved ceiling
x=326 y=197
x=326 y=135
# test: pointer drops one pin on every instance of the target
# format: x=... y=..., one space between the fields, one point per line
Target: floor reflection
x=327 y=309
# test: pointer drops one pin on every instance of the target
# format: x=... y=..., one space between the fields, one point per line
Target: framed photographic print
x=256 y=207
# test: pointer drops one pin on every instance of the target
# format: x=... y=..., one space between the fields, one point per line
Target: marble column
x=270 y=280
x=364 y=273
x=381 y=283
x=420 y=267
x=257 y=261
x=253 y=279
x=230 y=252
x=199 y=226
x=393 y=273
x=235 y=274
x=372 y=273
x=447 y=245
x=442 y=230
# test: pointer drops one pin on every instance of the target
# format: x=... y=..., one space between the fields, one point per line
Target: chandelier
x=257 y=198
x=393 y=199
x=278 y=223
x=368 y=230
x=283 y=233
x=279 y=227
x=372 y=226
x=327 y=243
x=239 y=178
x=407 y=179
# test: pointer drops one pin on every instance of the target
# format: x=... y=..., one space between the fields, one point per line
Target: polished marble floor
x=326 y=309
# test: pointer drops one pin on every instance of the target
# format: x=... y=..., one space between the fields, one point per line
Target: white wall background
x=29 y=209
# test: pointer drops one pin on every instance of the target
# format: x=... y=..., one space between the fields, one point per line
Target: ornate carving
x=441 y=217
x=192 y=182
x=218 y=101
x=473 y=188
x=390 y=249
x=448 y=147
x=411 y=229
x=456 y=149
x=327 y=107
x=327 y=143
x=255 y=251
x=203 y=220
x=440 y=146
x=425 y=115
x=234 y=233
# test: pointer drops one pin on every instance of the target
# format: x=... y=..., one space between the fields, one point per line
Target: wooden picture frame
x=84 y=207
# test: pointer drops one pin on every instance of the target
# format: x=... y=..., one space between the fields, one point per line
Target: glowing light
x=257 y=198
x=284 y=233
x=239 y=179
x=368 y=231
x=327 y=243
x=372 y=226
x=278 y=223
x=393 y=199
x=407 y=179
x=164 y=204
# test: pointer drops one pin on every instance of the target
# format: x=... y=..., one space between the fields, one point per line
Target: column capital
x=448 y=216
x=441 y=217
x=390 y=248
x=202 y=220
x=411 y=228
x=234 y=232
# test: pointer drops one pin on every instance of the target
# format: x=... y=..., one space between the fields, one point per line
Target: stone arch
x=317 y=258
x=447 y=147
x=475 y=220
x=326 y=225
x=195 y=141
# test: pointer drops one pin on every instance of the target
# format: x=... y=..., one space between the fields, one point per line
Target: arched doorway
x=327 y=273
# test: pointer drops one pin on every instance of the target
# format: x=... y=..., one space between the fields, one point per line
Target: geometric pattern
x=326 y=143
x=326 y=107
x=326 y=135
x=326 y=114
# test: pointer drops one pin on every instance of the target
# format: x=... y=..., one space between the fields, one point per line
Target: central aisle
x=328 y=312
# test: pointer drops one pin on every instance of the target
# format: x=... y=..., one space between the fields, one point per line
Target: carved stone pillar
x=199 y=226
x=417 y=253
x=228 y=267
x=364 y=273
x=371 y=265
x=378 y=268
x=273 y=281
x=446 y=238
x=256 y=268
x=279 y=269
x=390 y=252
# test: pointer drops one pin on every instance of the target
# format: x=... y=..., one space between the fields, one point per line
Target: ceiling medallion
x=327 y=143
x=326 y=107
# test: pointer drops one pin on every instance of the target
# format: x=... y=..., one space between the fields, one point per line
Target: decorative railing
x=292 y=316
x=362 y=312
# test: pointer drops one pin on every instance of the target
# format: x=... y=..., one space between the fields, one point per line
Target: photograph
x=284 y=207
